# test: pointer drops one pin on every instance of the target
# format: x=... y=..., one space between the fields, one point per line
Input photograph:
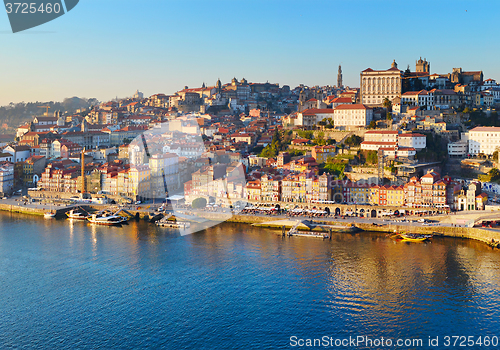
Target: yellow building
x=321 y=153
x=139 y=176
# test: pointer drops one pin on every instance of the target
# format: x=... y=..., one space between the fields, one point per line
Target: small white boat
x=108 y=220
x=76 y=215
x=49 y=215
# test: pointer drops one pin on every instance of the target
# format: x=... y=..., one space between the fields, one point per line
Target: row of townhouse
x=429 y=192
x=444 y=99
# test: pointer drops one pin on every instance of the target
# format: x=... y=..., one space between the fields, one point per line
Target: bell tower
x=339 y=77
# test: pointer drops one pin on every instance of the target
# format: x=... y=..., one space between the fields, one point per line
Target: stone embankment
x=490 y=237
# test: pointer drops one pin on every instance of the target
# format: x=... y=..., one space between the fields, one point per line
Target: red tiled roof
x=314 y=111
x=353 y=106
x=411 y=135
x=384 y=132
x=486 y=128
x=381 y=143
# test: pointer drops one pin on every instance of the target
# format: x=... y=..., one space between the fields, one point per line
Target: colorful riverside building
x=355 y=193
x=387 y=195
x=270 y=188
x=430 y=191
x=306 y=188
x=253 y=190
x=59 y=180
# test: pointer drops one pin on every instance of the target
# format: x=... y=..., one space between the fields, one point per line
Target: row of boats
x=110 y=219
x=105 y=218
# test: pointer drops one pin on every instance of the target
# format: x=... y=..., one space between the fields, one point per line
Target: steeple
x=339 y=77
x=218 y=85
x=394 y=64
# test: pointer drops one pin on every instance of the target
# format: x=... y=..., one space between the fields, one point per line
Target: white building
x=310 y=117
x=6 y=177
x=377 y=85
x=381 y=136
x=376 y=139
x=417 y=141
x=19 y=153
x=352 y=115
x=458 y=149
x=418 y=98
x=403 y=152
x=484 y=139
x=375 y=145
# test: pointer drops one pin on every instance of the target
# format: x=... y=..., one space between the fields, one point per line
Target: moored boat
x=108 y=220
x=49 y=215
x=413 y=237
x=76 y=215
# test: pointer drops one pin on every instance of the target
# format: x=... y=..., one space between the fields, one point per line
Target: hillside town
x=403 y=140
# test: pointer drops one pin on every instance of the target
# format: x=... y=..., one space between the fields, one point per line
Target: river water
x=66 y=285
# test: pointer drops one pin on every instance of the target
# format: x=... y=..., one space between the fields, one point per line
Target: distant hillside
x=15 y=114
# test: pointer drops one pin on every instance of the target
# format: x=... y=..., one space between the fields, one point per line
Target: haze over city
x=105 y=49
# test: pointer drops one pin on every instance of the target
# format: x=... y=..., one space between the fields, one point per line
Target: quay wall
x=21 y=209
x=489 y=237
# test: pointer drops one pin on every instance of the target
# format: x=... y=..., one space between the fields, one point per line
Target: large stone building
x=461 y=77
x=484 y=139
x=377 y=85
x=357 y=115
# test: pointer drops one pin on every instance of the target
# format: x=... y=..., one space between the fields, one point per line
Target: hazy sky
x=108 y=48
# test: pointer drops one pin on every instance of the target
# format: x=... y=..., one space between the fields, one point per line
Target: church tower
x=339 y=77
x=218 y=85
x=423 y=66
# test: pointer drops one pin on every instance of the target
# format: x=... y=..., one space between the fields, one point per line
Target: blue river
x=71 y=285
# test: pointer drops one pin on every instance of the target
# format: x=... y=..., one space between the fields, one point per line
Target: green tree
x=387 y=104
x=372 y=125
x=335 y=167
x=353 y=140
x=306 y=134
x=372 y=157
x=494 y=174
x=199 y=203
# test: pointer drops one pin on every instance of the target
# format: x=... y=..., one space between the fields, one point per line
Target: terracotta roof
x=314 y=111
x=388 y=132
x=342 y=100
x=353 y=106
x=411 y=135
x=381 y=143
x=486 y=128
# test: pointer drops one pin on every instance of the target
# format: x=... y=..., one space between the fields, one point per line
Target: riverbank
x=488 y=236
